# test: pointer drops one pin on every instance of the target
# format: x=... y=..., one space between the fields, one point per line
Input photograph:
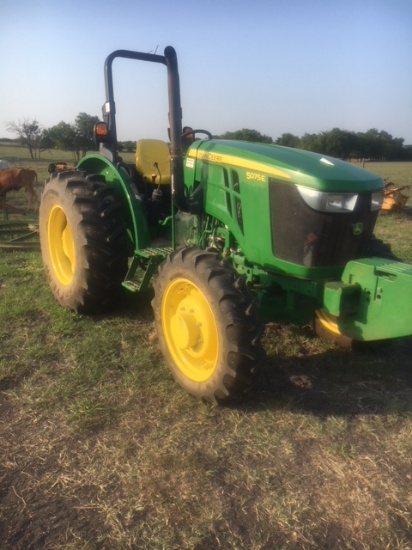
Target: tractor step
x=152 y=257
x=133 y=286
x=153 y=251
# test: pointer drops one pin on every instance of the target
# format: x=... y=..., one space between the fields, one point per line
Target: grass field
x=101 y=450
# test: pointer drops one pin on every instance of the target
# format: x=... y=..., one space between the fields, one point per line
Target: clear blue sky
x=275 y=66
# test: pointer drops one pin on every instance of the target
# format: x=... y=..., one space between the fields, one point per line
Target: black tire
x=207 y=326
x=83 y=241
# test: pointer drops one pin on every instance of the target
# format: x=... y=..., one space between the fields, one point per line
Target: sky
x=275 y=66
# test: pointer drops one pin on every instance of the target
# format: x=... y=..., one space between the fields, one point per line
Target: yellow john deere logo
x=357 y=228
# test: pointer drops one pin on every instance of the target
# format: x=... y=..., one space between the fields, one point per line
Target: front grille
x=317 y=239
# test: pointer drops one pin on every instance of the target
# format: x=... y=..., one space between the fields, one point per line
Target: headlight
x=377 y=200
x=328 y=202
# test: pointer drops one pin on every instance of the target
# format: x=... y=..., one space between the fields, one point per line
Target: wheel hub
x=185 y=329
x=190 y=329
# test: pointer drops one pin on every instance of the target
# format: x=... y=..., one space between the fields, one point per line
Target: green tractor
x=232 y=234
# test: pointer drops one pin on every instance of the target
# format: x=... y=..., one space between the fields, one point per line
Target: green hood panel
x=297 y=166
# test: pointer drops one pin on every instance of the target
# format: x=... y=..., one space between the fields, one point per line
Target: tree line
x=373 y=144
x=78 y=138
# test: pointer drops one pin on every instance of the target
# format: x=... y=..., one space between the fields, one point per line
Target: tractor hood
x=300 y=167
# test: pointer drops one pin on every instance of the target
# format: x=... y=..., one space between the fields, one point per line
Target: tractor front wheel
x=206 y=324
x=83 y=241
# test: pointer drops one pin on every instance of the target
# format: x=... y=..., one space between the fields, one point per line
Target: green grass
x=101 y=449
x=399 y=173
x=395 y=229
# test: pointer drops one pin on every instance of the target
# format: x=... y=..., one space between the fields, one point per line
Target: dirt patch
x=35 y=510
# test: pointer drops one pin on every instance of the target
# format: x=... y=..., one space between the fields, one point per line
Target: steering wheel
x=198 y=131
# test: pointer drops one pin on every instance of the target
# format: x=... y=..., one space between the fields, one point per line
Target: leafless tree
x=29 y=132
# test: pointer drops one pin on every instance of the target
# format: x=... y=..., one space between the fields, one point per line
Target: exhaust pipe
x=175 y=120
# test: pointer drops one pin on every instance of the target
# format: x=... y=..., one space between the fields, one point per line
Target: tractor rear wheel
x=207 y=326
x=83 y=241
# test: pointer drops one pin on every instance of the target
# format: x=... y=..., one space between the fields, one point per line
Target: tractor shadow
x=131 y=306
x=302 y=374
x=369 y=379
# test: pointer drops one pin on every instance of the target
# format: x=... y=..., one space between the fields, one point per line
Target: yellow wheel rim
x=60 y=245
x=190 y=330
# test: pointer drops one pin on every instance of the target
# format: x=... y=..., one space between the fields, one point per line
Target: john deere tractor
x=231 y=234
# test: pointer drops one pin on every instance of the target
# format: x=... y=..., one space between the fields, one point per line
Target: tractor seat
x=148 y=153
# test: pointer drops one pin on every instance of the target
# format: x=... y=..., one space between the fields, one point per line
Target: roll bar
x=175 y=113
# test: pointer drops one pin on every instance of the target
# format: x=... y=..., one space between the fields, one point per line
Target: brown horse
x=14 y=179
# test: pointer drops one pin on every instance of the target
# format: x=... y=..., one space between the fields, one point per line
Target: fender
x=126 y=193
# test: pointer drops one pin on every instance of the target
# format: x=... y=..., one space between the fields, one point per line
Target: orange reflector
x=101 y=129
